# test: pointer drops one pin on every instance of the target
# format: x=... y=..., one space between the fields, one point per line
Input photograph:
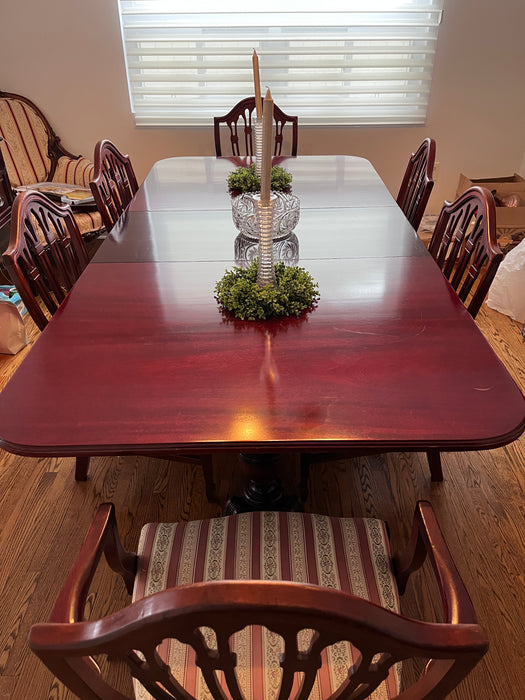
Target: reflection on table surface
x=285 y=250
x=319 y=181
x=209 y=235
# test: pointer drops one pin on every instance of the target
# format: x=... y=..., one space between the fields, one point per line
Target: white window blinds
x=347 y=62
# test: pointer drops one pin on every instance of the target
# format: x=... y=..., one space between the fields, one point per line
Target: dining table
x=140 y=357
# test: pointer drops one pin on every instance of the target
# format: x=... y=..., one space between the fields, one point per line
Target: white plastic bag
x=507 y=291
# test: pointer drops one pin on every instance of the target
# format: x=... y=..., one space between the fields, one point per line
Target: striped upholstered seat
x=261 y=606
x=347 y=554
x=33 y=153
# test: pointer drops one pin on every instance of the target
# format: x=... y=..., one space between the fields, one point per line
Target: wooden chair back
x=205 y=617
x=46 y=253
x=114 y=183
x=417 y=182
x=239 y=121
x=465 y=246
x=302 y=622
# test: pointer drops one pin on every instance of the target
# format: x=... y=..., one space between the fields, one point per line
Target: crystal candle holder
x=266 y=270
x=286 y=213
x=258 y=133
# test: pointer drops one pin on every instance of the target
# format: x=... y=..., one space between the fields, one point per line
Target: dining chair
x=239 y=122
x=114 y=183
x=46 y=253
x=113 y=187
x=465 y=246
x=417 y=183
x=45 y=257
x=262 y=605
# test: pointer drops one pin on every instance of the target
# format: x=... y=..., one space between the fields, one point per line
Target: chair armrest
x=102 y=538
x=427 y=539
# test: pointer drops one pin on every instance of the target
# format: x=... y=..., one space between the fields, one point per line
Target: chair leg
x=434 y=462
x=81 y=468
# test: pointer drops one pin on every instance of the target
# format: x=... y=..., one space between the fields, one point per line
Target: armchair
x=262 y=605
x=33 y=153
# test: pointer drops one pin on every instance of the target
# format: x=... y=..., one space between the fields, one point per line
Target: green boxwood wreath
x=237 y=292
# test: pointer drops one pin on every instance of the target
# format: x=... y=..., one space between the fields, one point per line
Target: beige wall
x=66 y=56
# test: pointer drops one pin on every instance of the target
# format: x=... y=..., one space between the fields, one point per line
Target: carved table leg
x=263 y=489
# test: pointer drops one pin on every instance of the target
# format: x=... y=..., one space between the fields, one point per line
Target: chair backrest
x=114 y=183
x=239 y=123
x=46 y=253
x=31 y=148
x=465 y=246
x=417 y=182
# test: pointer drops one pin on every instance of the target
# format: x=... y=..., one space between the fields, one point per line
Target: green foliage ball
x=237 y=292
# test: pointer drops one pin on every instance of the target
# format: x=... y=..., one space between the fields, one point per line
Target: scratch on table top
x=354 y=332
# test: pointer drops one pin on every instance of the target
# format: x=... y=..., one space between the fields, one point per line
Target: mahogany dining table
x=140 y=358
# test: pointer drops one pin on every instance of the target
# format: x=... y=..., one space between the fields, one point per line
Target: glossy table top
x=140 y=358
x=210 y=235
x=319 y=181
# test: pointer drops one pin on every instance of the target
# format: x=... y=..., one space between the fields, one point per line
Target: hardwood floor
x=44 y=515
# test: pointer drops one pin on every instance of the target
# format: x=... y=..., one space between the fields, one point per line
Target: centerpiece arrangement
x=264 y=290
x=244 y=182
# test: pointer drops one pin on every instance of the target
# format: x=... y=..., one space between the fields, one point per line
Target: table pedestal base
x=263 y=489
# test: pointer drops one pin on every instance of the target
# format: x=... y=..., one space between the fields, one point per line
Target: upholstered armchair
x=33 y=153
x=263 y=606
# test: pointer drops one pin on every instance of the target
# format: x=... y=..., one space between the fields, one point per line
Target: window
x=348 y=62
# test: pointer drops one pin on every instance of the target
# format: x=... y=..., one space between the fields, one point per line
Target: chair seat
x=351 y=555
x=79 y=171
x=89 y=223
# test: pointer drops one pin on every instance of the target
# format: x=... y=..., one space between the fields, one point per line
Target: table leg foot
x=263 y=489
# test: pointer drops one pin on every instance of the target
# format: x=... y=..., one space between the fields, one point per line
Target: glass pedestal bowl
x=286 y=215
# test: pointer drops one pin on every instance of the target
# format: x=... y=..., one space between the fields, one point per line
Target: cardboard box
x=506 y=217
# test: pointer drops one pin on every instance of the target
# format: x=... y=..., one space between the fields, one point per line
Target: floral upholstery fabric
x=25 y=151
x=349 y=554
